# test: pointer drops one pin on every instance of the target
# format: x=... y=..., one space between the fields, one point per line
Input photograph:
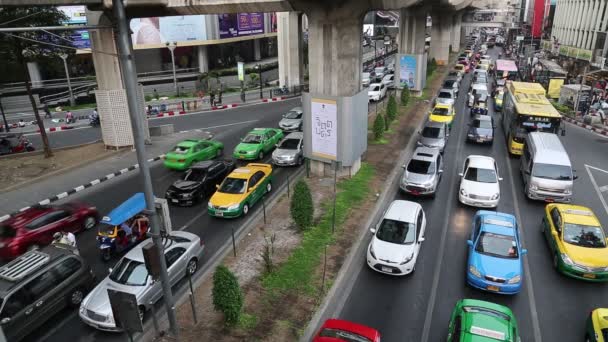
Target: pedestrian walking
x=47 y=111
x=155 y=94
x=69 y=117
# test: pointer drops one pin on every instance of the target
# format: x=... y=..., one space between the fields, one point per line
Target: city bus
x=526 y=109
x=506 y=68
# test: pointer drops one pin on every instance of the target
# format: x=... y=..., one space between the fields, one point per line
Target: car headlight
x=566 y=259
x=495 y=196
x=371 y=251
x=463 y=192
x=418 y=143
x=407 y=259
x=209 y=205
x=234 y=206
x=471 y=135
x=474 y=271
x=515 y=280
x=110 y=318
x=568 y=192
x=82 y=309
x=187 y=195
x=251 y=152
x=533 y=187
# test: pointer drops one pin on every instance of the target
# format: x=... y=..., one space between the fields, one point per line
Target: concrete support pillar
x=455 y=32
x=412 y=40
x=33 y=68
x=290 y=48
x=440 y=38
x=257 y=52
x=203 y=58
x=111 y=96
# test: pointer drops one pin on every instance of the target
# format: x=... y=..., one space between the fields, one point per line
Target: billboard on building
x=161 y=30
x=77 y=16
x=240 y=24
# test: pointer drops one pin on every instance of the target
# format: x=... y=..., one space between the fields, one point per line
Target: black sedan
x=198 y=182
x=481 y=130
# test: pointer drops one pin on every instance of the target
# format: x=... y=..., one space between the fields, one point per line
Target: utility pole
x=67 y=76
x=129 y=73
x=6 y=128
x=580 y=89
x=259 y=67
x=171 y=47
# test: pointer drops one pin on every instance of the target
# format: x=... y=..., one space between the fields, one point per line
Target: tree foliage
x=379 y=127
x=391 y=108
x=227 y=295
x=405 y=95
x=301 y=206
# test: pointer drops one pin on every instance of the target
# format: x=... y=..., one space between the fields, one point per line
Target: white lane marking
x=528 y=273
x=596 y=168
x=603 y=188
x=232 y=124
x=597 y=189
x=437 y=274
x=192 y=220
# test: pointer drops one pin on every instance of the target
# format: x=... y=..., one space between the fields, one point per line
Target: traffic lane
x=76 y=136
x=397 y=304
x=559 y=296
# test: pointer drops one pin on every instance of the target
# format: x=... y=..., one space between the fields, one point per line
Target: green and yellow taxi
x=241 y=190
x=597 y=326
x=190 y=151
x=257 y=143
x=443 y=112
x=480 y=321
x=577 y=241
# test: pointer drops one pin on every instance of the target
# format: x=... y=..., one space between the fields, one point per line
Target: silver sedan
x=182 y=254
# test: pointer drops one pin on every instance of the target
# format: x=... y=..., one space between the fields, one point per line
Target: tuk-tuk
x=480 y=106
x=123 y=227
x=14 y=143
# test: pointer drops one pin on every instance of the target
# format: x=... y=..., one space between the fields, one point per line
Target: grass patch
x=247 y=321
x=381 y=141
x=297 y=273
x=76 y=107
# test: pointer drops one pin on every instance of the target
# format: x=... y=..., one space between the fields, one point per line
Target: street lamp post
x=259 y=67
x=171 y=47
x=67 y=76
x=6 y=128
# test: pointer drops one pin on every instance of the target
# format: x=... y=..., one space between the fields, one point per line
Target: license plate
x=387 y=269
x=174 y=201
x=415 y=192
x=549 y=200
x=219 y=213
x=479 y=140
x=492 y=288
x=589 y=275
x=242 y=157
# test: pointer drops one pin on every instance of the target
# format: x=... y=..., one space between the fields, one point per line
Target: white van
x=546 y=169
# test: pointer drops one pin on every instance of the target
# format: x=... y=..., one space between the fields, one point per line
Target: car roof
x=573 y=213
x=404 y=211
x=425 y=153
x=443 y=105
x=483 y=117
x=445 y=90
x=247 y=171
x=137 y=253
x=339 y=324
x=294 y=135
x=259 y=130
x=375 y=84
x=296 y=109
x=188 y=143
x=482 y=162
x=480 y=86
x=434 y=124
x=28 y=215
x=203 y=164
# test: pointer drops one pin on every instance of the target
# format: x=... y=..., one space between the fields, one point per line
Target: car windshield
x=453 y=74
x=400 y=232
x=500 y=95
x=449 y=84
x=289 y=144
x=584 y=236
x=375 y=88
x=195 y=175
x=421 y=166
x=7 y=231
x=445 y=95
x=293 y=115
x=499 y=245
x=485 y=311
x=379 y=70
x=343 y=335
x=487 y=124
x=106 y=229
x=431 y=132
x=233 y=186
x=549 y=171
x=475 y=174
x=181 y=149
x=252 y=139
x=129 y=272
x=440 y=111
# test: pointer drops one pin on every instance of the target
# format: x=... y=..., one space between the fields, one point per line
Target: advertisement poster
x=160 y=30
x=76 y=16
x=555 y=85
x=240 y=24
x=273 y=22
x=241 y=70
x=324 y=119
x=407 y=71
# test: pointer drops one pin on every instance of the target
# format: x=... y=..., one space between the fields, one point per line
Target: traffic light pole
x=129 y=74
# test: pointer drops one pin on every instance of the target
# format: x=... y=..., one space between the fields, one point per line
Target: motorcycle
x=112 y=238
x=12 y=143
x=282 y=91
x=94 y=121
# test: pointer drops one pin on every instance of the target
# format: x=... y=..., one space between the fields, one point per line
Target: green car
x=480 y=321
x=257 y=143
x=191 y=151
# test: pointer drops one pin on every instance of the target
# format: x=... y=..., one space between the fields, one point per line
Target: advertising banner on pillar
x=324 y=115
x=407 y=71
x=240 y=24
x=160 y=30
x=241 y=70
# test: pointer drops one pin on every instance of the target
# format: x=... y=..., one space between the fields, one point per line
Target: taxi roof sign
x=578 y=212
x=497 y=222
x=487 y=333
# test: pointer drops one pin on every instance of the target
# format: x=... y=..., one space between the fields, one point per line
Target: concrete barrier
x=157 y=131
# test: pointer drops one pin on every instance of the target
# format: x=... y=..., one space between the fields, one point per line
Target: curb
x=592 y=128
x=274 y=99
x=232 y=105
x=57 y=129
x=181 y=295
x=80 y=187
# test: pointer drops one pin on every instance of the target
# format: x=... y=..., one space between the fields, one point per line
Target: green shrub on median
x=379 y=127
x=227 y=295
x=301 y=206
x=405 y=95
x=391 y=108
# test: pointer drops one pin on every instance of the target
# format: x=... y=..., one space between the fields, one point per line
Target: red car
x=336 y=330
x=466 y=65
x=35 y=226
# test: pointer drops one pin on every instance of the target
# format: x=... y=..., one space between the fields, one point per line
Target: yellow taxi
x=577 y=241
x=443 y=112
x=461 y=68
x=469 y=52
x=597 y=326
x=240 y=190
